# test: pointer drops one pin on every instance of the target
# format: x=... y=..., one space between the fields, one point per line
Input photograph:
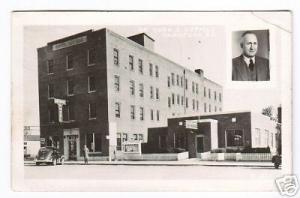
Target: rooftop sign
x=69 y=43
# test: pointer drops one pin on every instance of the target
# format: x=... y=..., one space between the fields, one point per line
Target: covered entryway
x=71 y=144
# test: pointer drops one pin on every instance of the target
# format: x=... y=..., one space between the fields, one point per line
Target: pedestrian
x=86 y=154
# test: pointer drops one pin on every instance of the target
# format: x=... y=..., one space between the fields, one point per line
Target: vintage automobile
x=276 y=160
x=49 y=155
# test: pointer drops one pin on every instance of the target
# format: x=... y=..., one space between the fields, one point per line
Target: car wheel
x=276 y=165
x=54 y=162
x=62 y=161
x=37 y=164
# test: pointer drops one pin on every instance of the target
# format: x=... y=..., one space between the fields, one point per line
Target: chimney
x=200 y=72
x=144 y=40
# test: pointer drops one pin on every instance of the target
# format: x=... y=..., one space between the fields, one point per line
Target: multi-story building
x=114 y=89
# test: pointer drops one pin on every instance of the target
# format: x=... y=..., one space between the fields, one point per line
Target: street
x=138 y=172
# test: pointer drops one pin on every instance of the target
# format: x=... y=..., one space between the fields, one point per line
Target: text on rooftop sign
x=69 y=43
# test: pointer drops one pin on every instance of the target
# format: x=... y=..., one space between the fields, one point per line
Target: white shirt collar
x=247 y=60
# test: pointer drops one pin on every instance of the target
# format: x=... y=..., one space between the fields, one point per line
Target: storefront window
x=234 y=138
x=93 y=142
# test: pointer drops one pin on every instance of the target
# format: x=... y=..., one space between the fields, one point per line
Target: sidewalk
x=187 y=162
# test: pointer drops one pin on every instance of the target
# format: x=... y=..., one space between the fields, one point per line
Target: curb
x=163 y=164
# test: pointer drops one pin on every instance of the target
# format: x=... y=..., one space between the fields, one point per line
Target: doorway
x=72 y=147
x=199 y=144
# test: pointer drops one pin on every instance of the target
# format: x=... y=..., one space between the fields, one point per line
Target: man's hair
x=243 y=35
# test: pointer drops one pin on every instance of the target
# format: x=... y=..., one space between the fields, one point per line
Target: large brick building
x=115 y=86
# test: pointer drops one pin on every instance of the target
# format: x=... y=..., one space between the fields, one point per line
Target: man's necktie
x=251 y=65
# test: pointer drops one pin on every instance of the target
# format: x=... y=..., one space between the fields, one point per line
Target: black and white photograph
x=102 y=102
x=251 y=51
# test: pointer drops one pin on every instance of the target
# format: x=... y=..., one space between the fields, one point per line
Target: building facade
x=113 y=89
x=206 y=132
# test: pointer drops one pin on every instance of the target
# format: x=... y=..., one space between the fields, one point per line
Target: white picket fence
x=236 y=156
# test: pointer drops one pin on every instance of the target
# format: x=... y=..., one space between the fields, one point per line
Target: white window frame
x=88 y=57
x=89 y=88
x=92 y=118
x=68 y=88
x=67 y=63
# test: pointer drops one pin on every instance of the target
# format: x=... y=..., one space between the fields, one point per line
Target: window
x=69 y=114
x=204 y=91
x=135 y=136
x=93 y=142
x=50 y=65
x=51 y=113
x=182 y=100
x=132 y=112
x=141 y=66
x=117 y=83
x=92 y=111
x=70 y=87
x=220 y=97
x=169 y=101
x=141 y=113
x=91 y=57
x=131 y=63
x=125 y=137
x=116 y=56
x=193 y=104
x=157 y=115
x=69 y=62
x=117 y=110
x=186 y=102
x=215 y=109
x=152 y=114
x=186 y=84
x=257 y=136
x=132 y=87
x=150 y=69
x=234 y=138
x=141 y=88
x=272 y=140
x=141 y=137
x=197 y=88
x=220 y=109
x=173 y=78
x=181 y=81
x=169 y=81
x=156 y=71
x=266 y=143
x=177 y=80
x=209 y=93
x=215 y=95
x=204 y=107
x=173 y=98
x=151 y=92
x=119 y=142
x=209 y=108
x=157 y=94
x=193 y=87
x=91 y=84
x=50 y=91
x=178 y=99
x=197 y=105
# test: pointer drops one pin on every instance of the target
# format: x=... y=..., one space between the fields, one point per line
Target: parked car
x=49 y=155
x=276 y=159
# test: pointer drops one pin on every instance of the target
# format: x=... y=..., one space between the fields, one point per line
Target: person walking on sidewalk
x=86 y=154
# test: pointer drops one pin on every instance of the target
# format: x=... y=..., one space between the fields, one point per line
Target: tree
x=268 y=111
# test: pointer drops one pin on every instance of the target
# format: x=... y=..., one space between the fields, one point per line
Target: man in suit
x=248 y=66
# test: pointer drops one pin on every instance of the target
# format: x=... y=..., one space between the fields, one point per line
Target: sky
x=204 y=47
